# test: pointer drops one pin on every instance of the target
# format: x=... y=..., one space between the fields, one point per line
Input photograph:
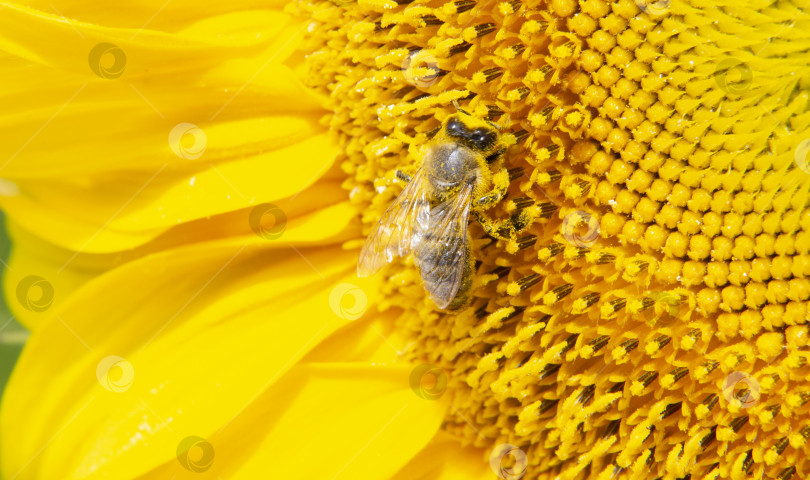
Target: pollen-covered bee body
x=449 y=167
x=459 y=155
x=430 y=217
x=443 y=253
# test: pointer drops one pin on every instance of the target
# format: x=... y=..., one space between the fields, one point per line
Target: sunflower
x=188 y=185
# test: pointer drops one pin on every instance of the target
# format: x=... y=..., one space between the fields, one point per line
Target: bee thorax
x=449 y=166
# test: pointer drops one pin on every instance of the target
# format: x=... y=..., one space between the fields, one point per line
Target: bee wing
x=440 y=254
x=395 y=233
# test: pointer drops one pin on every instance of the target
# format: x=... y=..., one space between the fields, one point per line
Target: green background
x=12 y=334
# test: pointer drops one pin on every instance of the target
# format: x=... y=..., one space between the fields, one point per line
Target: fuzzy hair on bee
x=459 y=172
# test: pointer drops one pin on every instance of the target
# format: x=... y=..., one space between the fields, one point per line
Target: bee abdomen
x=436 y=268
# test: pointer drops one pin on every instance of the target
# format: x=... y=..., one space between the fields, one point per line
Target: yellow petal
x=206 y=328
x=325 y=421
x=372 y=338
x=154 y=14
x=52 y=115
x=203 y=121
x=202 y=43
x=308 y=222
x=444 y=458
x=134 y=209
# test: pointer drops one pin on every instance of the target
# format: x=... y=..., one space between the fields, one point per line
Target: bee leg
x=491 y=159
x=524 y=212
x=403 y=176
x=501 y=183
x=508 y=229
x=498 y=229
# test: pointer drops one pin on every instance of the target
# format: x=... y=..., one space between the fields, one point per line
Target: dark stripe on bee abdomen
x=434 y=265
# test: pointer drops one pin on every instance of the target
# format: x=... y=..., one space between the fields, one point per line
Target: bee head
x=473 y=132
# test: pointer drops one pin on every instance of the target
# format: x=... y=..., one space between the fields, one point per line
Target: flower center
x=652 y=315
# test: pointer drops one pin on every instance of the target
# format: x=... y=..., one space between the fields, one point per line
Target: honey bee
x=430 y=217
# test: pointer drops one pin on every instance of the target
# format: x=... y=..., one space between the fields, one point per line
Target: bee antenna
x=455 y=104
